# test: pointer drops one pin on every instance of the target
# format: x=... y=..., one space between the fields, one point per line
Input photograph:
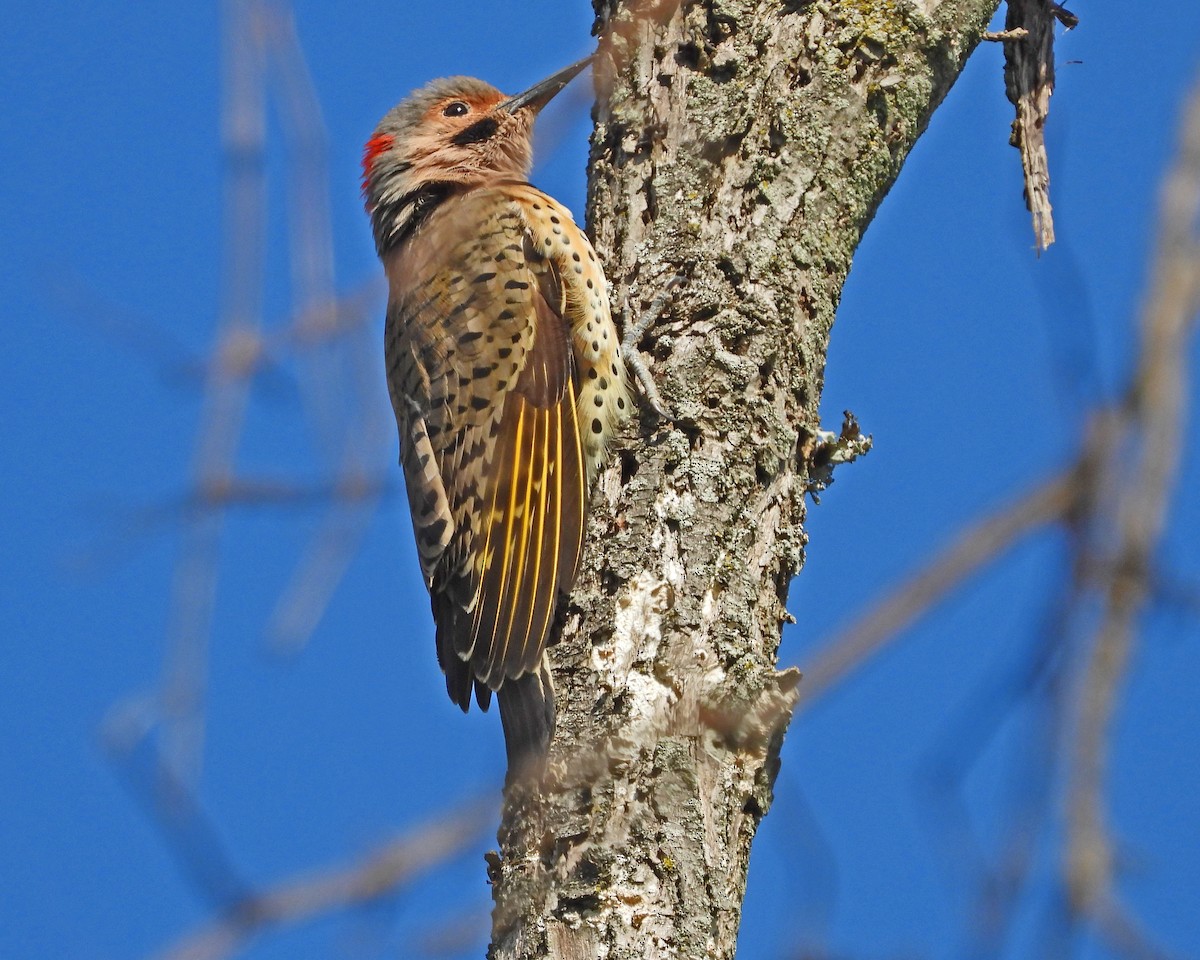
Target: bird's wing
x=484 y=384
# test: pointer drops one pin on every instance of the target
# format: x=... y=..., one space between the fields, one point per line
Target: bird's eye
x=456 y=109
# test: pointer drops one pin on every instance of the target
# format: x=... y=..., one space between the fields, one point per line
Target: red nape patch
x=375 y=146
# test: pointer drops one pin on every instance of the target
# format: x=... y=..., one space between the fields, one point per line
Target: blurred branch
x=305 y=332
x=146 y=337
x=335 y=376
x=1114 y=503
x=1143 y=471
x=189 y=833
x=320 y=571
x=195 y=584
x=326 y=337
x=984 y=542
x=302 y=899
x=330 y=338
x=310 y=237
x=459 y=937
x=130 y=525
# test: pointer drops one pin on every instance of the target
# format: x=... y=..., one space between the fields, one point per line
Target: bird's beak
x=542 y=93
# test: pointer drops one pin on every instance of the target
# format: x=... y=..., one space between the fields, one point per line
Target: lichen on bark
x=745 y=145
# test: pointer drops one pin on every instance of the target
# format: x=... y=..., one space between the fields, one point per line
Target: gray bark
x=746 y=145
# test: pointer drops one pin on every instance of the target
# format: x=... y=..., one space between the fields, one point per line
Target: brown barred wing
x=484 y=387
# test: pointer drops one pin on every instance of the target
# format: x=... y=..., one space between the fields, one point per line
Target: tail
x=527 y=715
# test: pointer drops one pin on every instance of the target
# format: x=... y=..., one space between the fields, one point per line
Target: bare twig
x=996 y=36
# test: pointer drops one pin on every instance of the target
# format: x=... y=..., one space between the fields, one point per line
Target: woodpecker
x=506 y=379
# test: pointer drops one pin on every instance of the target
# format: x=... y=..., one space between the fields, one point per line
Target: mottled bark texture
x=745 y=144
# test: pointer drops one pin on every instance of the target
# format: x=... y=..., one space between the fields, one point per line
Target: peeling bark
x=745 y=145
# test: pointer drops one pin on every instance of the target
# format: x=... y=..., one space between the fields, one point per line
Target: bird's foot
x=633 y=358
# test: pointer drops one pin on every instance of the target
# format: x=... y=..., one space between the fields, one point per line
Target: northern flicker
x=506 y=378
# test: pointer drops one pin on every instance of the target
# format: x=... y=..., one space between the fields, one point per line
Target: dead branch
x=1028 y=38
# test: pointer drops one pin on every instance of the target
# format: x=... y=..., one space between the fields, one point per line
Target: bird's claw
x=633 y=358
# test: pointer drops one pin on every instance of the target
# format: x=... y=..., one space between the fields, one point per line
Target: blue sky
x=958 y=349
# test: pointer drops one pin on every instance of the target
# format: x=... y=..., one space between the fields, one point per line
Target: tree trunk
x=745 y=145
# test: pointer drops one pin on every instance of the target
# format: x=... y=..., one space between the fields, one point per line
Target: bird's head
x=452 y=133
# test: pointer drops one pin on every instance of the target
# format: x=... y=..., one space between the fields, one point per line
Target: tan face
x=453 y=131
x=450 y=117
x=459 y=138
